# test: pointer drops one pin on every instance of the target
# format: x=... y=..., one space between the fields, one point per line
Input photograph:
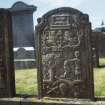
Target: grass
x=26 y=81
x=102 y=61
x=99 y=81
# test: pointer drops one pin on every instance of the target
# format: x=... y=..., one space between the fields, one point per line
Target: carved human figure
x=77 y=65
x=68 y=69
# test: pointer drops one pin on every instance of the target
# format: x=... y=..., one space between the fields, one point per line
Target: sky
x=94 y=8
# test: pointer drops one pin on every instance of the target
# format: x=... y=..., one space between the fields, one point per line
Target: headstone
x=24 y=58
x=7 y=80
x=64 y=54
x=23 y=29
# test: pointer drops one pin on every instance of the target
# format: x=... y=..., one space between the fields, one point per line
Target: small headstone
x=64 y=54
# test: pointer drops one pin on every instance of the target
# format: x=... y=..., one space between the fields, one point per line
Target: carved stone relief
x=61 y=56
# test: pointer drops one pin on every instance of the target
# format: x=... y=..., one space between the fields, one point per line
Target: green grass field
x=102 y=61
x=26 y=81
x=99 y=81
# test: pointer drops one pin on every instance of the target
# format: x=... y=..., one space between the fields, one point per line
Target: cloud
x=65 y=2
x=75 y=3
x=58 y=3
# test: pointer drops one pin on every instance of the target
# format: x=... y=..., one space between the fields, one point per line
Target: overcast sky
x=94 y=8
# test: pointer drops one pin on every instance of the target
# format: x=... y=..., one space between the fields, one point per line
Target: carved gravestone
x=7 y=81
x=64 y=54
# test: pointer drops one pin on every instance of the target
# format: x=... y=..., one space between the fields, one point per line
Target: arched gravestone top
x=62 y=10
x=21 y=6
x=64 y=54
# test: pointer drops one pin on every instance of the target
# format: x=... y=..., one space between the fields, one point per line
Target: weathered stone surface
x=7 y=81
x=23 y=29
x=64 y=54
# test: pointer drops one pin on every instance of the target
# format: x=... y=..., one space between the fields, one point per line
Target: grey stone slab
x=22 y=22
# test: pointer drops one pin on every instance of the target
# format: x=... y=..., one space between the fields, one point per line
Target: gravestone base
x=48 y=101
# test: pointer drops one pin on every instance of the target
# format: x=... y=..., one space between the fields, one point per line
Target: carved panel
x=64 y=54
x=58 y=20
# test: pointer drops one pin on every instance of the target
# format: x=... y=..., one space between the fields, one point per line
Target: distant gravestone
x=22 y=23
x=7 y=80
x=64 y=54
x=24 y=59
